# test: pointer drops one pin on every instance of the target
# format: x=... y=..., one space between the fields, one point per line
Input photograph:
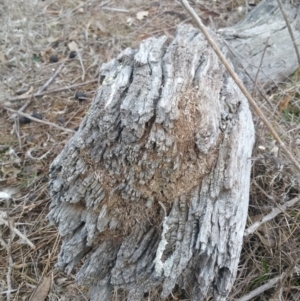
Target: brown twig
x=54 y=90
x=289 y=29
x=230 y=70
x=38 y=120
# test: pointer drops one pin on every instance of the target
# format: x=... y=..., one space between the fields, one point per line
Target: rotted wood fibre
x=152 y=191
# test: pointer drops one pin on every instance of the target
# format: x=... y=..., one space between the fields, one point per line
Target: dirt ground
x=50 y=54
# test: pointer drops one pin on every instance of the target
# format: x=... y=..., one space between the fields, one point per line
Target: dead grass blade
x=21 y=97
x=39 y=120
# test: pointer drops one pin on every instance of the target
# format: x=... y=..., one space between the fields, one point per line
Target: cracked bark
x=152 y=191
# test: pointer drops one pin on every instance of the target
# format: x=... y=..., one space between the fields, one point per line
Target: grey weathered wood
x=152 y=191
x=265 y=26
x=167 y=130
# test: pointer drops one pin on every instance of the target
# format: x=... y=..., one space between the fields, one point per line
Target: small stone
x=61 y=119
x=72 y=54
x=80 y=96
x=24 y=120
x=55 y=44
x=53 y=58
x=37 y=115
x=20 y=92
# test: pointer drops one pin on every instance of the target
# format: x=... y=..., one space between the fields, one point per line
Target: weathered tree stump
x=152 y=191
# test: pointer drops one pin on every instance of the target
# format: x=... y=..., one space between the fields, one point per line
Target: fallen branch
x=271 y=215
x=261 y=289
x=239 y=83
x=38 y=120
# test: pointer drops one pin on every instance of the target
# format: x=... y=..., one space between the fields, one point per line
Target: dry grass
x=274 y=248
x=30 y=32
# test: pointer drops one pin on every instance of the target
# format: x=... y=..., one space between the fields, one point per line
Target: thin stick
x=252 y=102
x=16 y=126
x=261 y=289
x=262 y=92
x=260 y=64
x=51 y=256
x=262 y=191
x=119 y=10
x=54 y=90
x=28 y=154
x=81 y=63
x=9 y=259
x=22 y=109
x=16 y=129
x=38 y=120
x=50 y=80
x=163 y=207
x=289 y=29
x=288 y=274
x=271 y=215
